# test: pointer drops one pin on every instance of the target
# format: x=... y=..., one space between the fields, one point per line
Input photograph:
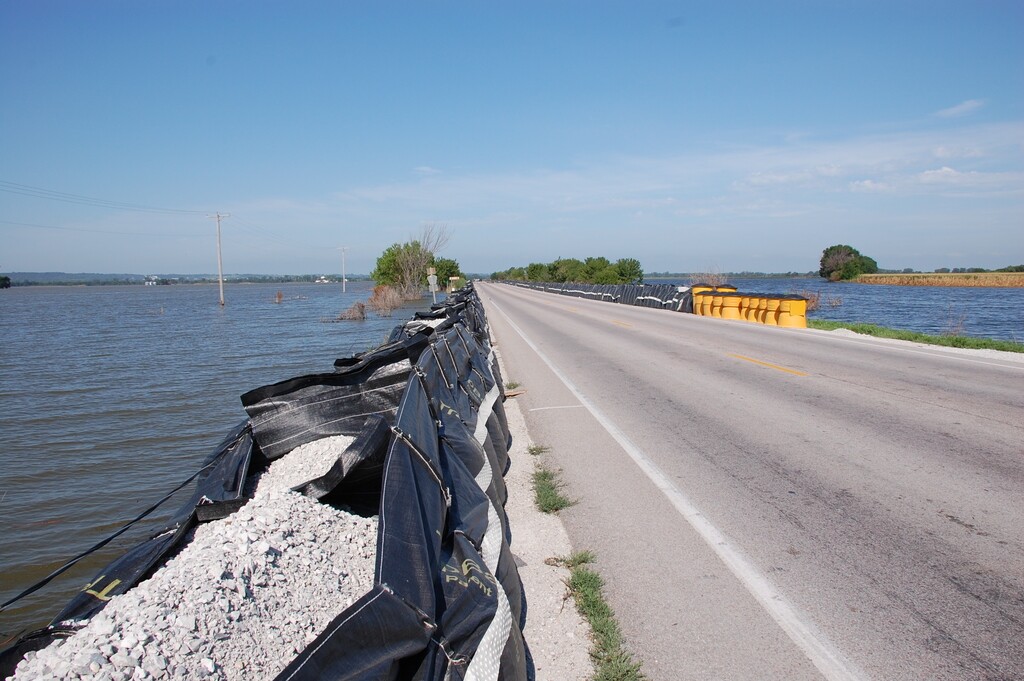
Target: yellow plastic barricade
x=754 y=309
x=731 y=306
x=783 y=316
x=698 y=298
x=716 y=305
x=797 y=318
x=771 y=316
x=744 y=306
x=700 y=295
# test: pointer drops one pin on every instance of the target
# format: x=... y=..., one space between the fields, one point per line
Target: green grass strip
x=948 y=341
x=547 y=489
x=612 y=662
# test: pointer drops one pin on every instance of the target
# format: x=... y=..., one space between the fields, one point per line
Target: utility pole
x=220 y=266
x=343 y=279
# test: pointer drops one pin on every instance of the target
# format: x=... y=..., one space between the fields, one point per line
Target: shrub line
x=952 y=341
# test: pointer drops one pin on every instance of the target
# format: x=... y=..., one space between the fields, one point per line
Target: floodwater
x=111 y=396
x=937 y=310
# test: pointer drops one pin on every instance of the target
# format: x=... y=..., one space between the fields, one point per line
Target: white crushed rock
x=304 y=463
x=237 y=602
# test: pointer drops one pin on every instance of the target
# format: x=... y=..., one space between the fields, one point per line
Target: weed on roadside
x=512 y=385
x=546 y=487
x=612 y=662
x=537 y=450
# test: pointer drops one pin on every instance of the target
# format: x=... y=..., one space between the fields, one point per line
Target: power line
x=266 y=234
x=97 y=231
x=54 y=195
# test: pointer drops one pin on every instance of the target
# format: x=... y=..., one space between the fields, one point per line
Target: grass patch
x=537 y=450
x=547 y=489
x=512 y=385
x=948 y=341
x=612 y=662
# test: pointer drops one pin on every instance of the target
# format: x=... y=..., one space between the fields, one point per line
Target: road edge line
x=818 y=649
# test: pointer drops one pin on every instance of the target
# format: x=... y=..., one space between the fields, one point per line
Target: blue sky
x=692 y=136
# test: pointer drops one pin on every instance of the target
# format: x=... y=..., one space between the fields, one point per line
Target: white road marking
x=818 y=649
x=568 y=406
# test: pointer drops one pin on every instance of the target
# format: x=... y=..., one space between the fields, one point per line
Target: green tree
x=5 y=281
x=537 y=271
x=844 y=262
x=592 y=266
x=404 y=266
x=567 y=269
x=609 y=275
x=387 y=271
x=629 y=271
x=446 y=269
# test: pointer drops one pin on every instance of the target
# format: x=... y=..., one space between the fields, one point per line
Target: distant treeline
x=598 y=270
x=89 y=279
x=954 y=270
x=730 y=275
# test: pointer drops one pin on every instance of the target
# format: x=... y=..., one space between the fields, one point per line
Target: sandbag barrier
x=429 y=455
x=723 y=302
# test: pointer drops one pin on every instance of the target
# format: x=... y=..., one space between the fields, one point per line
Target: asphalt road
x=772 y=503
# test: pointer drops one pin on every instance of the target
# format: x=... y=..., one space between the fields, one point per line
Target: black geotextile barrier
x=448 y=602
x=661 y=296
x=299 y=410
x=429 y=454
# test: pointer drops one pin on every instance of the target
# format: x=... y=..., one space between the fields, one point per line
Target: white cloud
x=628 y=203
x=961 y=109
x=869 y=186
x=943 y=174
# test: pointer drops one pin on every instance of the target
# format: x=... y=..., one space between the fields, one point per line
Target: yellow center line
x=772 y=366
x=625 y=324
x=562 y=307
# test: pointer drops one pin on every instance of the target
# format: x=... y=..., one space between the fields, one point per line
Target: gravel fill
x=239 y=601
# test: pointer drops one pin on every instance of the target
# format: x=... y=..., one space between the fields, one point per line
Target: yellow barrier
x=731 y=306
x=724 y=302
x=797 y=313
x=716 y=305
x=783 y=317
x=755 y=302
x=700 y=294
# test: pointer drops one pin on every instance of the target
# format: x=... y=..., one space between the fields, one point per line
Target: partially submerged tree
x=446 y=269
x=841 y=262
x=404 y=265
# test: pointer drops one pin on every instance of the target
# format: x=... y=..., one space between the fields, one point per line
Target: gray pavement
x=775 y=503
